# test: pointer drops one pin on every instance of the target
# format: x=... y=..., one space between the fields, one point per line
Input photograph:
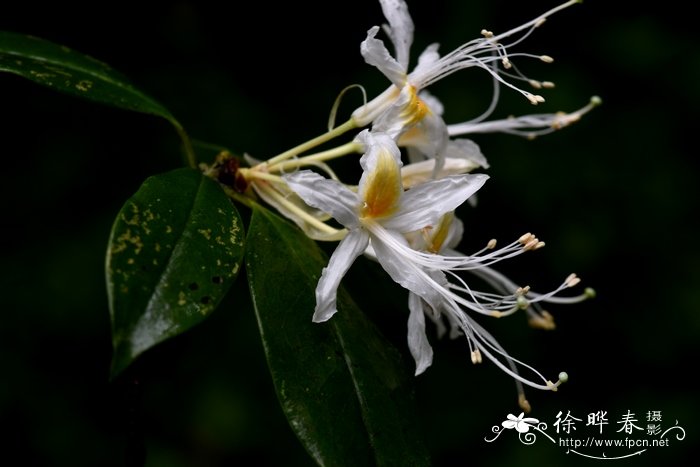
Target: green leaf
x=65 y=70
x=174 y=251
x=344 y=389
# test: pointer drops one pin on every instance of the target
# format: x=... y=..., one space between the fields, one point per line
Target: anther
x=546 y=58
x=486 y=33
x=562 y=119
x=563 y=378
x=491 y=244
x=535 y=84
x=531 y=245
x=572 y=280
x=525 y=238
x=534 y=98
x=543 y=320
x=540 y=22
x=506 y=63
x=523 y=290
x=547 y=84
x=476 y=356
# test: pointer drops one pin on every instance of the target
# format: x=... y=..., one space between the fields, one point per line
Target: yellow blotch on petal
x=415 y=110
x=382 y=188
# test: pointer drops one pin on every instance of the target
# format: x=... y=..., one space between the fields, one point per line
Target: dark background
x=614 y=197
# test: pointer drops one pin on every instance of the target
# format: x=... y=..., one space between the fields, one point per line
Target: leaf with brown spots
x=174 y=251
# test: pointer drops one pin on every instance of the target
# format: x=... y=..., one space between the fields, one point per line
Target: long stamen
x=536 y=22
x=472 y=330
x=528 y=126
x=471 y=54
x=485 y=341
x=461 y=263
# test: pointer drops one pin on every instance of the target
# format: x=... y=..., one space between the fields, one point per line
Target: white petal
x=289 y=203
x=429 y=135
x=427 y=59
x=376 y=54
x=393 y=120
x=433 y=103
x=377 y=145
x=422 y=171
x=349 y=248
x=417 y=340
x=400 y=28
x=327 y=195
x=468 y=150
x=436 y=133
x=403 y=271
x=454 y=234
x=424 y=204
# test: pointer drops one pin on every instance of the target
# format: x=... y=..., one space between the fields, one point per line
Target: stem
x=249 y=173
x=190 y=156
x=318 y=157
x=312 y=143
x=233 y=194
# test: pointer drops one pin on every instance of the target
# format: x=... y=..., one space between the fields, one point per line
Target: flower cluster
x=416 y=172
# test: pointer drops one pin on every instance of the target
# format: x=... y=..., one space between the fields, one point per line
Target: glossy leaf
x=343 y=387
x=174 y=251
x=68 y=71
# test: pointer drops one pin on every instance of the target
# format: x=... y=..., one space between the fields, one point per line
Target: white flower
x=403 y=216
x=384 y=221
x=378 y=215
x=421 y=147
x=405 y=107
